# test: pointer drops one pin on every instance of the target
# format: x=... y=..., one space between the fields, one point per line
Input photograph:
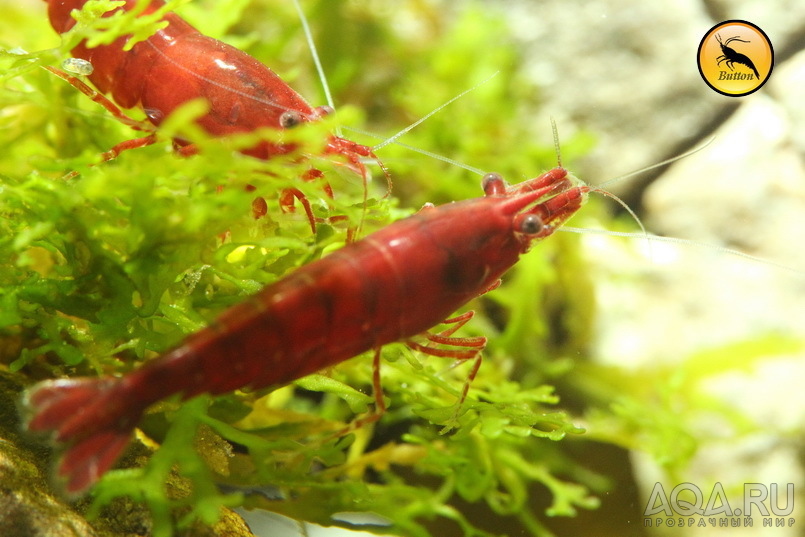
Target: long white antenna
x=556 y=147
x=659 y=164
x=645 y=234
x=432 y=112
x=315 y=53
x=425 y=152
x=685 y=242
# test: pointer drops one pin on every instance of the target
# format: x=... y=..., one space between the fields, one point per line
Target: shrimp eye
x=530 y=224
x=290 y=119
x=493 y=184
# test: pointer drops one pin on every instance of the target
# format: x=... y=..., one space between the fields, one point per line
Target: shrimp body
x=390 y=286
x=178 y=64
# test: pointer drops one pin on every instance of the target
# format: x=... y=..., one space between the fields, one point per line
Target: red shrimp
x=390 y=286
x=178 y=64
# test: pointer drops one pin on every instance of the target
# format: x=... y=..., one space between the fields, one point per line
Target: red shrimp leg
x=474 y=346
x=259 y=207
x=102 y=100
x=112 y=108
x=288 y=195
x=354 y=151
x=471 y=349
x=286 y=204
x=458 y=321
x=380 y=404
x=113 y=153
x=134 y=143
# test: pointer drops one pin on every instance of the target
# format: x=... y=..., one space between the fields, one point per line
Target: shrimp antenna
x=315 y=53
x=597 y=189
x=628 y=209
x=657 y=165
x=413 y=125
x=556 y=147
x=448 y=160
x=600 y=188
x=421 y=151
x=644 y=233
x=394 y=139
x=685 y=242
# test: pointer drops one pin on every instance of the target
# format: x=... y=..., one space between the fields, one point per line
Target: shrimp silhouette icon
x=732 y=55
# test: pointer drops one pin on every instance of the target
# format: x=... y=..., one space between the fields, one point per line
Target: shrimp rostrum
x=391 y=286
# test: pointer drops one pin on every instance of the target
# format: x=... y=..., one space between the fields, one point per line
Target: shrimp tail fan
x=88 y=416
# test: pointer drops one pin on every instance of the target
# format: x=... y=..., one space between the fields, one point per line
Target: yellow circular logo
x=735 y=58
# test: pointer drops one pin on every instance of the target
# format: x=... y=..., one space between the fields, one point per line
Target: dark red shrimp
x=391 y=286
x=178 y=64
